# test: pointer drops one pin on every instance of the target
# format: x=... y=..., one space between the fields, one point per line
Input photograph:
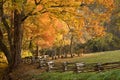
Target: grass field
x=108 y=75
x=103 y=57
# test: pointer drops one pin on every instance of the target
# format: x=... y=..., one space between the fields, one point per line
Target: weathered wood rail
x=77 y=67
x=80 y=67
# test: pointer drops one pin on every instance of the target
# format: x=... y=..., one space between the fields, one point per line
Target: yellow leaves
x=44 y=19
x=94 y=28
x=59 y=37
x=30 y=6
x=47 y=27
x=99 y=31
x=88 y=1
x=94 y=22
x=38 y=8
x=43 y=31
x=60 y=26
x=81 y=23
x=96 y=31
x=108 y=3
x=11 y=6
x=31 y=1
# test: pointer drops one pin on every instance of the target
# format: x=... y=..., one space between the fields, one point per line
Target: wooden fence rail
x=81 y=67
x=77 y=67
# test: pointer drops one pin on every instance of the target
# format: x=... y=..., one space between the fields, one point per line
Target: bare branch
x=5 y=23
x=31 y=12
x=37 y=2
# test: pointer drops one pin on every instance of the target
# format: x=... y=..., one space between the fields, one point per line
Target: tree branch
x=37 y=2
x=3 y=1
x=31 y=13
x=1 y=34
x=26 y=16
x=5 y=23
x=6 y=51
x=3 y=17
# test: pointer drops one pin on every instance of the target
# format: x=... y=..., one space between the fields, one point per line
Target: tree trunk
x=18 y=34
x=30 y=46
x=55 y=53
x=65 y=55
x=3 y=47
x=37 y=50
x=60 y=51
x=6 y=52
x=13 y=54
x=71 y=44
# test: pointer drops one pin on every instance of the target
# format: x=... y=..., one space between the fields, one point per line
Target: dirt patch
x=25 y=72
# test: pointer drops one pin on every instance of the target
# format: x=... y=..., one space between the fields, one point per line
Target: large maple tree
x=78 y=14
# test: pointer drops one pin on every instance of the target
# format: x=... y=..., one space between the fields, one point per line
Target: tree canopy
x=42 y=21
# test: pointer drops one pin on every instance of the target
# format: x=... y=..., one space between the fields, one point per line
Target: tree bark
x=18 y=34
x=71 y=45
x=37 y=51
x=6 y=52
x=3 y=47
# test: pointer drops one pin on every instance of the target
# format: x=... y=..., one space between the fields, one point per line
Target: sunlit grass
x=110 y=56
x=102 y=57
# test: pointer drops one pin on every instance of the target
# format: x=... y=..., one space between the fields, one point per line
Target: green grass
x=103 y=57
x=62 y=76
x=108 y=75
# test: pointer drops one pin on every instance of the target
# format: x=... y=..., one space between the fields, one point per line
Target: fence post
x=33 y=60
x=41 y=63
x=79 y=67
x=50 y=65
x=99 y=67
x=27 y=60
x=65 y=66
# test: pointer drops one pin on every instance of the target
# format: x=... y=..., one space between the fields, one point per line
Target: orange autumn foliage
x=45 y=26
x=42 y=31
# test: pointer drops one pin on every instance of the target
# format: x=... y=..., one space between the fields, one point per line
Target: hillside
x=107 y=56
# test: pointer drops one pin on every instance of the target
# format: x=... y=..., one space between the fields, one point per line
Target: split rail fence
x=81 y=66
x=78 y=67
